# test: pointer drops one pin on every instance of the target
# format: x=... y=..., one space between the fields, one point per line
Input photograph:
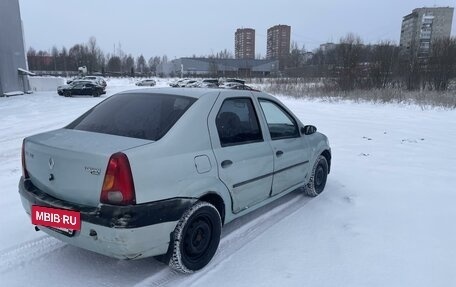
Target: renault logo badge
x=51 y=163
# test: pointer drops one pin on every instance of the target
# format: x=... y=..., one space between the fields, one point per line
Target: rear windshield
x=143 y=116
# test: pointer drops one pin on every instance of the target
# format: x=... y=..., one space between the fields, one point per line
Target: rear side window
x=237 y=122
x=143 y=116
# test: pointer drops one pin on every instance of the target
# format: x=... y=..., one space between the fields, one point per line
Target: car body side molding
x=268 y=174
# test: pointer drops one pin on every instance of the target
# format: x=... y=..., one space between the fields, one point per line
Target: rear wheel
x=196 y=238
x=317 y=180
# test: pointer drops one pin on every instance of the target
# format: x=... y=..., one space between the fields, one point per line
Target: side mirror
x=308 y=130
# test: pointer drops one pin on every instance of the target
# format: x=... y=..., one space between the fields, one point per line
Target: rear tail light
x=24 y=168
x=118 y=188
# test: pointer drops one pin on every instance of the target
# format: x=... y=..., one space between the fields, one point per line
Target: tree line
x=90 y=55
x=347 y=65
x=350 y=64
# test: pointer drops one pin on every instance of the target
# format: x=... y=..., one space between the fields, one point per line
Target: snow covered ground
x=386 y=218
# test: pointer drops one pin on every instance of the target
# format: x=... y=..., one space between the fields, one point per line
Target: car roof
x=188 y=92
x=82 y=81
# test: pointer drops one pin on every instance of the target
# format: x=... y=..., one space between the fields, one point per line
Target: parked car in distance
x=228 y=85
x=208 y=85
x=186 y=83
x=176 y=83
x=210 y=81
x=97 y=79
x=201 y=84
x=193 y=84
x=146 y=82
x=204 y=83
x=77 y=78
x=231 y=80
x=237 y=86
x=81 y=88
x=154 y=172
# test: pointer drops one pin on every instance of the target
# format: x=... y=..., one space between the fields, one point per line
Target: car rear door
x=244 y=158
x=88 y=89
x=291 y=152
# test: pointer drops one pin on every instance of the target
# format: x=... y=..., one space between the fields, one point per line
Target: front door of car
x=291 y=152
x=77 y=89
x=244 y=158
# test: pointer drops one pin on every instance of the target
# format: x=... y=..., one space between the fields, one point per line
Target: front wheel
x=196 y=238
x=95 y=93
x=317 y=180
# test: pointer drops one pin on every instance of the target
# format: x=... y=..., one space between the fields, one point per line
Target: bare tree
x=296 y=57
x=55 y=55
x=383 y=62
x=442 y=63
x=128 y=64
x=64 y=55
x=92 y=54
x=153 y=63
x=114 y=64
x=79 y=56
x=141 y=64
x=348 y=56
x=225 y=54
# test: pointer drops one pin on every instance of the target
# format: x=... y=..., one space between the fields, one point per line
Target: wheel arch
x=327 y=154
x=217 y=201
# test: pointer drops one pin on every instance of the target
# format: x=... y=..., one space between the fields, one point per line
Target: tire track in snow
x=27 y=251
x=230 y=243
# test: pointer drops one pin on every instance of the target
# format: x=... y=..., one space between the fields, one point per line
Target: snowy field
x=387 y=216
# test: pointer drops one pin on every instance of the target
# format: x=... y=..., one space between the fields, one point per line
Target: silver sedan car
x=146 y=82
x=159 y=171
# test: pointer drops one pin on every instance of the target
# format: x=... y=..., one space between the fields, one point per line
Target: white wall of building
x=40 y=84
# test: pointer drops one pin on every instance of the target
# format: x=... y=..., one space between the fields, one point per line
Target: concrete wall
x=12 y=51
x=40 y=84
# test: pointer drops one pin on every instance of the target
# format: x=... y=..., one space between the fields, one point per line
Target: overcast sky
x=183 y=28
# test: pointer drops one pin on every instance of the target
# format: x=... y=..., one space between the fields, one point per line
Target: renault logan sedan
x=159 y=171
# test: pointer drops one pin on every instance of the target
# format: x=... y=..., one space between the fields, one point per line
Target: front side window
x=237 y=122
x=78 y=86
x=280 y=123
x=143 y=116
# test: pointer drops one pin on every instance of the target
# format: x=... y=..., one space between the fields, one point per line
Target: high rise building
x=422 y=27
x=244 y=43
x=278 y=41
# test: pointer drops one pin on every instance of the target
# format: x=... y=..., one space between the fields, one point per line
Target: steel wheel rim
x=197 y=239
x=319 y=178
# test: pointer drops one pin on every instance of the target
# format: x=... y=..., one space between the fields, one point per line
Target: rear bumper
x=124 y=232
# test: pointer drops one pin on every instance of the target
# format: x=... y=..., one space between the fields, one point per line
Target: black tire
x=318 y=177
x=67 y=94
x=196 y=238
x=95 y=94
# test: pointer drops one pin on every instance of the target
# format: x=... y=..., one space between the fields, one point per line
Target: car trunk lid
x=71 y=164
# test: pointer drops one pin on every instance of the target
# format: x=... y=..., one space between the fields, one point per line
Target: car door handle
x=279 y=153
x=226 y=163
